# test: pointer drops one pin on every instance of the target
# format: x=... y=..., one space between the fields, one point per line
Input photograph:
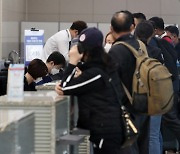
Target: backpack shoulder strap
x=141 y=52
x=143 y=48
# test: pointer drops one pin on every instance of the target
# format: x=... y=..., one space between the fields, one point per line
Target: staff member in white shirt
x=61 y=40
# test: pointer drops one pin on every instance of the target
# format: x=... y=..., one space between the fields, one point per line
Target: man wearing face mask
x=55 y=64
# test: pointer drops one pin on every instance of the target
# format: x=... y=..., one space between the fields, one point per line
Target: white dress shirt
x=57 y=42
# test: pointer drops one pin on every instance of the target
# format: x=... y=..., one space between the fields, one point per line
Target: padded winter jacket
x=99 y=110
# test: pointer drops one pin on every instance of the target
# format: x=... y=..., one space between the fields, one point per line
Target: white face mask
x=107 y=47
x=54 y=71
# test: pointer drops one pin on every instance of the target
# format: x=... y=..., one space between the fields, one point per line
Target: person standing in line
x=61 y=41
x=108 y=41
x=173 y=33
x=161 y=40
x=122 y=24
x=99 y=110
x=138 y=18
x=144 y=32
x=159 y=29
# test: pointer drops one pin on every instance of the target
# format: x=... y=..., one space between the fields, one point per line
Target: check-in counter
x=51 y=118
x=46 y=86
x=17 y=133
x=84 y=147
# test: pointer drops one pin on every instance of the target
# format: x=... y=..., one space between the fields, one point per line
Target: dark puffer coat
x=99 y=110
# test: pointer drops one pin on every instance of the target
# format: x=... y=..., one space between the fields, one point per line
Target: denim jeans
x=155 y=138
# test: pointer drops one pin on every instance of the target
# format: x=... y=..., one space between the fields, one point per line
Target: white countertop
x=35 y=98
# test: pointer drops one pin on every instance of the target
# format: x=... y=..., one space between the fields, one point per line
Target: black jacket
x=171 y=121
x=155 y=52
x=29 y=87
x=177 y=47
x=126 y=67
x=99 y=110
x=125 y=60
x=169 y=54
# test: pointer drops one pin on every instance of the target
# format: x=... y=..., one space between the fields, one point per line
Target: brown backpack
x=152 y=89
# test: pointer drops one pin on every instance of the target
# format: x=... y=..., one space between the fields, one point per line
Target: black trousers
x=113 y=145
x=141 y=146
x=107 y=146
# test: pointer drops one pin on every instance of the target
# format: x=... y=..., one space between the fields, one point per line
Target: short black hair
x=79 y=26
x=139 y=15
x=122 y=24
x=158 y=22
x=37 y=68
x=173 y=30
x=144 y=31
x=57 y=58
x=153 y=24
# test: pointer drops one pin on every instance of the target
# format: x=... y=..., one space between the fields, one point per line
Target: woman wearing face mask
x=54 y=63
x=109 y=39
